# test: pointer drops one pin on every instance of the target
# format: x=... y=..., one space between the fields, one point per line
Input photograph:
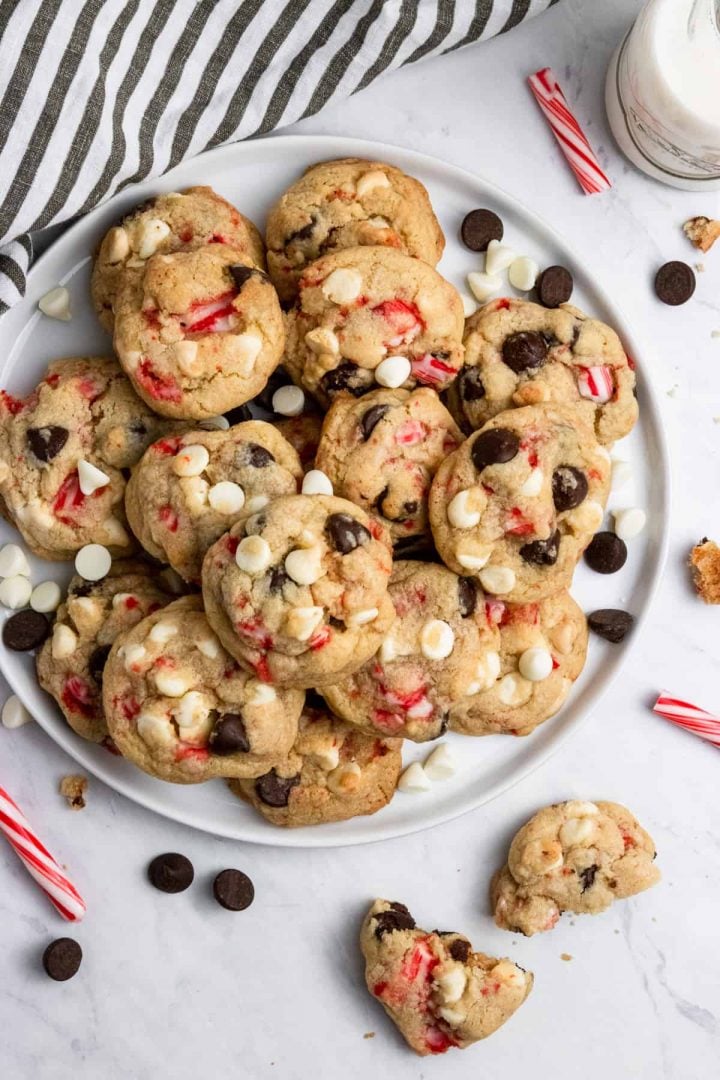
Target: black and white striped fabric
x=99 y=94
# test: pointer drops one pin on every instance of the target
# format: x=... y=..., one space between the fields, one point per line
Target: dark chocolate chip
x=229 y=735
x=470 y=384
x=346 y=533
x=83 y=588
x=46 y=442
x=142 y=208
x=460 y=950
x=554 y=286
x=587 y=876
x=479 y=227
x=675 y=283
x=238 y=415
x=345 y=377
x=275 y=790
x=278 y=579
x=569 y=487
x=233 y=890
x=467 y=595
x=611 y=624
x=397 y=918
x=542 y=552
x=25 y=630
x=337 y=624
x=62 y=959
x=171 y=872
x=258 y=456
x=606 y=553
x=241 y=274
x=315 y=700
x=494 y=447
x=372 y=418
x=97 y=661
x=304 y=233
x=137 y=429
x=524 y=351
x=411 y=507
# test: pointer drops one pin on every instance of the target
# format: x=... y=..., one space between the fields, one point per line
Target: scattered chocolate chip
x=606 y=553
x=240 y=274
x=344 y=377
x=315 y=700
x=258 y=456
x=238 y=415
x=524 y=351
x=233 y=890
x=494 y=447
x=542 y=552
x=229 y=735
x=467 y=595
x=554 y=286
x=275 y=790
x=460 y=950
x=569 y=487
x=278 y=579
x=675 y=283
x=46 y=442
x=611 y=624
x=171 y=872
x=371 y=418
x=470 y=384
x=587 y=876
x=397 y=918
x=62 y=959
x=97 y=661
x=479 y=227
x=346 y=533
x=25 y=630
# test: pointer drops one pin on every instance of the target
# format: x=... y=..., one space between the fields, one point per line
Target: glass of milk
x=663 y=93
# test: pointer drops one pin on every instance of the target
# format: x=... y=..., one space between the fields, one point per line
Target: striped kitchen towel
x=99 y=94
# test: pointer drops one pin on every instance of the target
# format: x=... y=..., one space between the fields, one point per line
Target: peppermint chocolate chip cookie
x=573 y=856
x=71 y=663
x=440 y=648
x=372 y=316
x=298 y=592
x=519 y=502
x=333 y=772
x=189 y=489
x=182 y=710
x=382 y=451
x=519 y=353
x=198 y=332
x=173 y=222
x=436 y=990
x=343 y=204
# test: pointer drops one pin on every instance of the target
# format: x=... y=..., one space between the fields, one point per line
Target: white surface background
x=173 y=986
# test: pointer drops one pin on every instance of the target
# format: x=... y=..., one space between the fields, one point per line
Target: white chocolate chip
x=13 y=560
x=117 y=245
x=451 y=983
x=497 y=579
x=580 y=808
x=322 y=340
x=523 y=273
x=441 y=763
x=45 y=597
x=302 y=622
x=436 y=639
x=363 y=617
x=388 y=650
x=14 y=714
x=345 y=778
x=191 y=460
x=453 y=1017
x=215 y=423
x=508 y=973
x=328 y=757
x=465 y=508
x=587 y=517
x=315 y=482
x=413 y=780
x=56 y=304
x=133 y=656
x=380 y=222
x=209 y=647
x=15 y=592
x=562 y=636
x=621 y=472
x=498 y=257
x=533 y=484
x=253 y=555
x=36 y=513
x=152 y=234
x=576 y=831
x=304 y=565
x=260 y=693
x=469 y=305
x=185 y=355
x=195 y=491
x=342 y=286
x=191 y=709
x=471 y=555
x=114 y=533
x=486 y=673
x=514 y=690
x=256 y=503
x=64 y=642
x=226 y=497
x=421 y=709
x=93 y=562
x=535 y=664
x=483 y=285
x=370 y=181
x=172 y=683
x=288 y=401
x=155 y=730
x=247 y=348
x=629 y=523
x=393 y=371
x=90 y=478
x=87 y=614
x=162 y=632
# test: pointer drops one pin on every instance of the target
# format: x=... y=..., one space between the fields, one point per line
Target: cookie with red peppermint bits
x=298 y=593
x=519 y=353
x=381 y=451
x=573 y=856
x=520 y=500
x=436 y=990
x=372 y=316
x=541 y=653
x=181 y=709
x=348 y=203
x=63 y=450
x=187 y=490
x=333 y=772
x=176 y=221
x=440 y=648
x=198 y=331
x=71 y=663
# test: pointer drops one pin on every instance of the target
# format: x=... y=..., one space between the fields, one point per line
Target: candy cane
x=564 y=126
x=38 y=861
x=689 y=717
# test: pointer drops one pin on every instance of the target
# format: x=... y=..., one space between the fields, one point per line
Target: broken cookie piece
x=702 y=232
x=705 y=562
x=73 y=789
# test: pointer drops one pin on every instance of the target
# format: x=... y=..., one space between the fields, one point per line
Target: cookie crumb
x=705 y=562
x=702 y=232
x=565 y=956
x=369 y=1035
x=699 y=267
x=73 y=789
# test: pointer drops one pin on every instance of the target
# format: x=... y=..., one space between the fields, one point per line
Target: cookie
x=343 y=204
x=71 y=663
x=440 y=647
x=382 y=451
x=704 y=562
x=298 y=593
x=519 y=353
x=368 y=317
x=303 y=434
x=168 y=223
x=83 y=417
x=198 y=332
x=573 y=856
x=519 y=502
x=333 y=772
x=182 y=710
x=189 y=489
x=436 y=990
x=541 y=653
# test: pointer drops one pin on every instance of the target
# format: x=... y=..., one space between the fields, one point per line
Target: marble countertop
x=173 y=986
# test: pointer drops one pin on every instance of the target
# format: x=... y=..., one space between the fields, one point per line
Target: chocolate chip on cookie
x=569 y=487
x=372 y=418
x=233 y=890
x=467 y=596
x=479 y=227
x=25 y=630
x=62 y=959
x=275 y=790
x=460 y=949
x=606 y=553
x=554 y=286
x=524 y=351
x=494 y=447
x=612 y=624
x=229 y=736
x=470 y=384
x=397 y=918
x=47 y=442
x=675 y=283
x=96 y=662
x=171 y=872
x=542 y=552
x=346 y=533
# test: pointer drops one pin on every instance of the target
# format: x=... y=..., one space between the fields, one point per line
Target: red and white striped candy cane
x=689 y=716
x=564 y=126
x=38 y=861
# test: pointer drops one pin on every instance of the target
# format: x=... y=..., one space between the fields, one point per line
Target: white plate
x=252 y=175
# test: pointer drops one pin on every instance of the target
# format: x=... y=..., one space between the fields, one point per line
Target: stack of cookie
x=385 y=557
